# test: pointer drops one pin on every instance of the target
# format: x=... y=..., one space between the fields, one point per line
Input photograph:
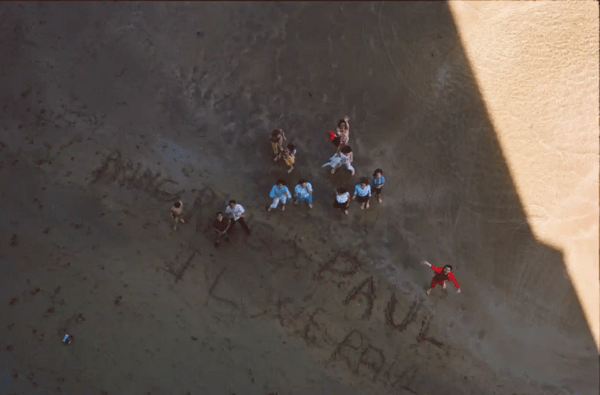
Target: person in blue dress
x=377 y=183
x=279 y=193
x=362 y=193
x=303 y=193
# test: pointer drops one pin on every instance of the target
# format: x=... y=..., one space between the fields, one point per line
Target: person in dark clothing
x=221 y=226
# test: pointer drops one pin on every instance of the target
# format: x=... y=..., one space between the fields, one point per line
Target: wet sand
x=113 y=111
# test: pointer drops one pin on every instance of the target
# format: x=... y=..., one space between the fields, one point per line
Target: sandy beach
x=483 y=117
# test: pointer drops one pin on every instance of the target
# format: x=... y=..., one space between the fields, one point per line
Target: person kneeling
x=303 y=193
x=279 y=193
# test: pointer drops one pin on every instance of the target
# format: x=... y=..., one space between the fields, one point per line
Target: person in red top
x=442 y=274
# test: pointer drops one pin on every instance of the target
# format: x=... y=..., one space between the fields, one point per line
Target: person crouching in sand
x=220 y=226
x=442 y=274
x=176 y=212
x=279 y=193
x=342 y=158
x=303 y=193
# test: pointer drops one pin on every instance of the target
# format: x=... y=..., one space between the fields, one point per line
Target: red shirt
x=440 y=277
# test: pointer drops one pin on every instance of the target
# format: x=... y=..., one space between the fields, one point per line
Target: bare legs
x=177 y=220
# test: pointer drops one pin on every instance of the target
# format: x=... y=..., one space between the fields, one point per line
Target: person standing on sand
x=176 y=212
x=289 y=156
x=303 y=192
x=362 y=192
x=236 y=213
x=279 y=193
x=342 y=200
x=442 y=274
x=277 y=138
x=342 y=134
x=377 y=183
x=221 y=225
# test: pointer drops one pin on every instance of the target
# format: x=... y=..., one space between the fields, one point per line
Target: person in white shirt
x=343 y=158
x=236 y=213
x=362 y=192
x=342 y=200
x=176 y=212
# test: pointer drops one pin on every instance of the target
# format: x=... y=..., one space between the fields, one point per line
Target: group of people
x=224 y=223
x=221 y=224
x=343 y=156
x=303 y=191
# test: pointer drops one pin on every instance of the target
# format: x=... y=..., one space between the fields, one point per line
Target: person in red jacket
x=442 y=274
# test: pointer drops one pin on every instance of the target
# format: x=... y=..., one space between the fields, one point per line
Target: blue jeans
x=307 y=199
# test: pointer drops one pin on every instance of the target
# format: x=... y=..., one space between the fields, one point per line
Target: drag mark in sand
x=49 y=157
x=179 y=274
x=369 y=294
x=410 y=317
x=423 y=334
x=341 y=265
x=115 y=168
x=366 y=360
x=211 y=290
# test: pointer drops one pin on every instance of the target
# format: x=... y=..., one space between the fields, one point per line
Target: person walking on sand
x=342 y=200
x=277 y=137
x=442 y=275
x=289 y=156
x=362 y=192
x=342 y=134
x=176 y=212
x=220 y=226
x=279 y=193
x=377 y=183
x=236 y=213
x=303 y=192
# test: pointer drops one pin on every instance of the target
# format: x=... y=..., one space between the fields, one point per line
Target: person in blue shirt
x=303 y=193
x=377 y=183
x=362 y=192
x=279 y=193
